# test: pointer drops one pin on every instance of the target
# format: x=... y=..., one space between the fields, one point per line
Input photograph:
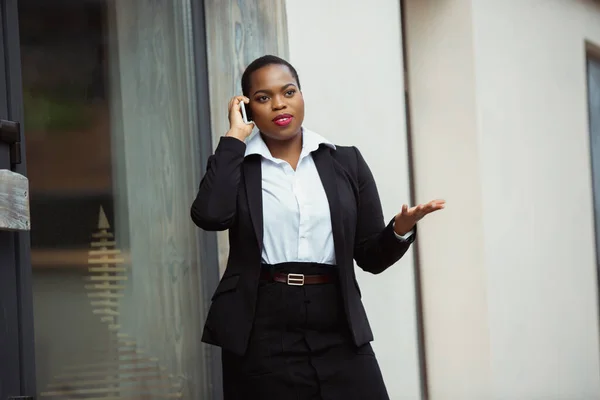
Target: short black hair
x=263 y=62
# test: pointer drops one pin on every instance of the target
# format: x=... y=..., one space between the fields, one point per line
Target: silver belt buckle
x=295 y=279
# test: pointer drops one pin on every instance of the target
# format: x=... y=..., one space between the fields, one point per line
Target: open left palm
x=408 y=217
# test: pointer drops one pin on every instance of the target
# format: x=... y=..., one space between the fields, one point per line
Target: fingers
x=236 y=122
x=421 y=210
x=404 y=209
x=433 y=205
x=234 y=107
x=239 y=99
x=235 y=101
x=413 y=213
x=436 y=205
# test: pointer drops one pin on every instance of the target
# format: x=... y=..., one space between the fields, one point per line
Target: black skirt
x=300 y=347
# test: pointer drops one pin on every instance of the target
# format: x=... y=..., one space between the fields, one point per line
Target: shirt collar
x=310 y=142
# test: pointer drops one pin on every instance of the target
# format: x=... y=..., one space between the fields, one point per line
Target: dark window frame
x=21 y=285
x=209 y=252
x=593 y=104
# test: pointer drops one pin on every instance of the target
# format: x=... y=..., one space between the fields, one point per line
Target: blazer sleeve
x=376 y=246
x=215 y=206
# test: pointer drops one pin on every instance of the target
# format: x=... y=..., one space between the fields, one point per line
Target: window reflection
x=109 y=97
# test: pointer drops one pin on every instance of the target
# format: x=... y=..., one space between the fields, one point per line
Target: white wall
x=542 y=287
x=529 y=286
x=350 y=66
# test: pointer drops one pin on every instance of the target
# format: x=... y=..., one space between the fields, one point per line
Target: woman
x=287 y=312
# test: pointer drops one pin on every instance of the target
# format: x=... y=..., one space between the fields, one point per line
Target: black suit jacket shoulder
x=230 y=197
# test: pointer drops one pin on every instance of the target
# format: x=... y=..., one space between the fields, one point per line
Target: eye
x=290 y=92
x=262 y=99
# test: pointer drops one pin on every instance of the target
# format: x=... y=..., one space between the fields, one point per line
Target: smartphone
x=244 y=113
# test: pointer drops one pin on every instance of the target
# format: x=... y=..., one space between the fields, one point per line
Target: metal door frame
x=17 y=376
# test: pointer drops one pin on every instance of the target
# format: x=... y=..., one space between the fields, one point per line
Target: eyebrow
x=268 y=91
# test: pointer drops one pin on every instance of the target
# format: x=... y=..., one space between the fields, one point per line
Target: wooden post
x=14 y=201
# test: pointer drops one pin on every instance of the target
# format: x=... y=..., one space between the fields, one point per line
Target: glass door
x=111 y=126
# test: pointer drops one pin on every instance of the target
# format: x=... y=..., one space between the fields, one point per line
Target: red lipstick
x=283 y=119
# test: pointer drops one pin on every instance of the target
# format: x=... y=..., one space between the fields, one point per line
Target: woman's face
x=276 y=102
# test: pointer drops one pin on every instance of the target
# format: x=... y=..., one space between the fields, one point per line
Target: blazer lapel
x=253 y=181
x=324 y=163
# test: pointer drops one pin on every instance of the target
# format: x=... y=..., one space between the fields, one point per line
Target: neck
x=287 y=150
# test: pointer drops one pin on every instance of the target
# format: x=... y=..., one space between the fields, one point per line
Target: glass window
x=113 y=156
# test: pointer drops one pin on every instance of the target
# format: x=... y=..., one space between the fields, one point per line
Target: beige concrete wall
x=446 y=153
x=498 y=94
x=350 y=66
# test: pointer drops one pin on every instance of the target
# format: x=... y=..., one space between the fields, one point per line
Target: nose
x=278 y=103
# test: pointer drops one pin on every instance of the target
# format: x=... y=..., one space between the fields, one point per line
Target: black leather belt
x=297 y=279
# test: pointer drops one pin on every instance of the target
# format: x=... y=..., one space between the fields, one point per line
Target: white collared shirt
x=296 y=216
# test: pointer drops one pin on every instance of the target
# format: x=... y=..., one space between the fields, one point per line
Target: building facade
x=491 y=105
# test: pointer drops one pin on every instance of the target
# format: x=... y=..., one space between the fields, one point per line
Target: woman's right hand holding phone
x=237 y=127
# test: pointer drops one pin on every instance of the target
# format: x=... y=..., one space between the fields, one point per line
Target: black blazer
x=230 y=197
